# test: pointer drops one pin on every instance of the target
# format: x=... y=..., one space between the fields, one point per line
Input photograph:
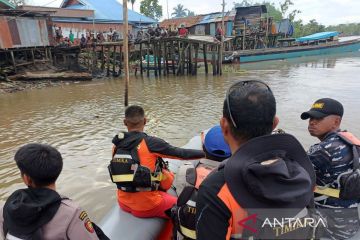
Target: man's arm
x=212 y=216
x=81 y=227
x=321 y=161
x=164 y=149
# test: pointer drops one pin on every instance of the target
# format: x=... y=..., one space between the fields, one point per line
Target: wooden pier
x=157 y=56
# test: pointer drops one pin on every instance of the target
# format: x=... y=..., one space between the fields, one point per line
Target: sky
x=327 y=12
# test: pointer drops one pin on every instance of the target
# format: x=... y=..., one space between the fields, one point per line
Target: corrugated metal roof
x=187 y=21
x=109 y=10
x=5 y=4
x=217 y=17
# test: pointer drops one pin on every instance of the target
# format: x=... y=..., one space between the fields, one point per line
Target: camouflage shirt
x=331 y=158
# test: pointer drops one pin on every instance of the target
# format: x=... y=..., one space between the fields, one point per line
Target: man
x=71 y=37
x=144 y=153
x=83 y=41
x=39 y=212
x=267 y=176
x=332 y=158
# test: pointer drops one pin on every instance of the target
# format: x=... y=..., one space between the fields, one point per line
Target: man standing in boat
x=268 y=176
x=333 y=160
x=139 y=171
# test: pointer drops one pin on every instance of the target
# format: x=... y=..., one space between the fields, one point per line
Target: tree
x=243 y=3
x=132 y=4
x=151 y=8
x=17 y=2
x=179 y=11
x=190 y=13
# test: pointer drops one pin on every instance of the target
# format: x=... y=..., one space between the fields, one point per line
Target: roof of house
x=186 y=21
x=5 y=4
x=60 y=12
x=217 y=17
x=107 y=10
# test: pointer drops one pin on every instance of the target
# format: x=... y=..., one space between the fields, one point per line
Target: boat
x=118 y=223
x=315 y=44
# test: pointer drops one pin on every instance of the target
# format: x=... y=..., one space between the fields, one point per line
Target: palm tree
x=132 y=4
x=179 y=11
x=190 y=13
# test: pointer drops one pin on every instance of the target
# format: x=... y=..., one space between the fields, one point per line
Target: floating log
x=56 y=76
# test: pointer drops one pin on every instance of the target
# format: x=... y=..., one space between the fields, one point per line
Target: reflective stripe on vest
x=236 y=236
x=130 y=178
x=188 y=232
x=331 y=192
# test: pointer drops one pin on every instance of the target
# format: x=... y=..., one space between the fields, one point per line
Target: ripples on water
x=81 y=119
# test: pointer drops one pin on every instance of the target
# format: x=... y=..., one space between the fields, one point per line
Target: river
x=81 y=119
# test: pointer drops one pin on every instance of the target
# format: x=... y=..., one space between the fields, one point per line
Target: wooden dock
x=157 y=56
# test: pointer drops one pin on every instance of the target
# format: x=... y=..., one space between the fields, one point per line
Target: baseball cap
x=215 y=144
x=323 y=108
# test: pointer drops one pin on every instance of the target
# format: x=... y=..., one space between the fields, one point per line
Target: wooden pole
x=155 y=59
x=222 y=39
x=102 y=58
x=120 y=60
x=126 y=51
x=166 y=66
x=172 y=52
x=205 y=59
x=267 y=31
x=213 y=62
x=114 y=61
x=108 y=62
x=32 y=56
x=148 y=59
x=141 y=66
x=159 y=53
x=196 y=59
x=13 y=60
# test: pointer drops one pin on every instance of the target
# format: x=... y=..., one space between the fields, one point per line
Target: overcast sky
x=327 y=12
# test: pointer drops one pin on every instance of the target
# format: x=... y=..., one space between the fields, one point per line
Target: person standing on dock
x=334 y=160
x=137 y=168
x=71 y=37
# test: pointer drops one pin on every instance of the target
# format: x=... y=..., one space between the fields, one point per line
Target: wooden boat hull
x=259 y=55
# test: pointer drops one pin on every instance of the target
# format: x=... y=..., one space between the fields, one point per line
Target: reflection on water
x=81 y=119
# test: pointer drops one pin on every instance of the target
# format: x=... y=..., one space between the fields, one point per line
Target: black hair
x=41 y=162
x=253 y=108
x=134 y=114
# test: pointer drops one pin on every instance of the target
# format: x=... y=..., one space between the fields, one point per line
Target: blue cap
x=215 y=144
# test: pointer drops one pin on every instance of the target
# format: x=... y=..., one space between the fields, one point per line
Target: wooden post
x=32 y=56
x=126 y=52
x=13 y=60
x=267 y=31
x=120 y=60
x=213 y=62
x=196 y=59
x=172 y=52
x=219 y=61
x=148 y=59
x=108 y=62
x=189 y=69
x=159 y=53
x=141 y=65
x=155 y=59
x=49 y=54
x=166 y=66
x=205 y=59
x=221 y=49
x=114 y=60
x=244 y=35
x=102 y=58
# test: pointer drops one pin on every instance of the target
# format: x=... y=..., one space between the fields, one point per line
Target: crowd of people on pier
x=247 y=175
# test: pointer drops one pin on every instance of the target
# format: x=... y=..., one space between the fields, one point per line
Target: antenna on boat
x=126 y=51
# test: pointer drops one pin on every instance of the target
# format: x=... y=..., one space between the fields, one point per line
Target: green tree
x=132 y=4
x=151 y=8
x=17 y=2
x=179 y=11
x=243 y=3
x=190 y=13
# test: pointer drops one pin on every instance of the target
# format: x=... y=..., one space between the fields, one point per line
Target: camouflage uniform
x=331 y=158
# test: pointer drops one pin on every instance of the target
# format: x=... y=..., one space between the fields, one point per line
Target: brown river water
x=81 y=119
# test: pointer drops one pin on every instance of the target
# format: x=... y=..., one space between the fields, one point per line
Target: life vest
x=349 y=182
x=248 y=224
x=188 y=179
x=130 y=176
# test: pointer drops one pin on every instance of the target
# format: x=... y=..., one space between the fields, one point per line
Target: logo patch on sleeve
x=89 y=227
x=83 y=215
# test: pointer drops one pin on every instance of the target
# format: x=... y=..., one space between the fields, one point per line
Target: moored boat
x=315 y=44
